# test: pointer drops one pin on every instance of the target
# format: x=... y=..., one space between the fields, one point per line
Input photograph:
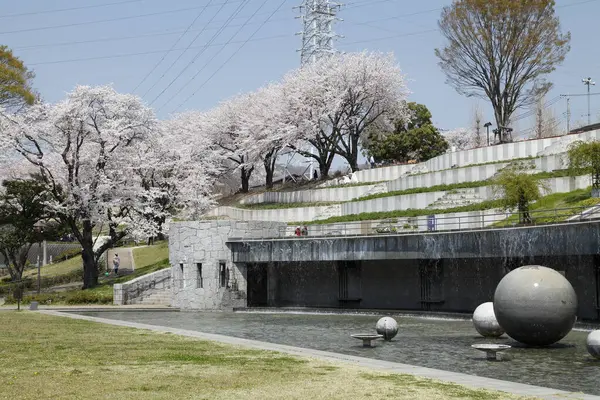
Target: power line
x=152 y=51
x=173 y=46
x=236 y=12
x=70 y=9
x=43 y=28
x=233 y=55
x=186 y=49
x=390 y=37
x=213 y=57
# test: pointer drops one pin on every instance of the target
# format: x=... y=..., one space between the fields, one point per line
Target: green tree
x=15 y=81
x=413 y=139
x=21 y=210
x=586 y=156
x=498 y=49
x=515 y=188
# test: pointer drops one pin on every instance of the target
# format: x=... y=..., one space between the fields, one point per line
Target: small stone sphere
x=485 y=321
x=593 y=344
x=388 y=327
x=535 y=305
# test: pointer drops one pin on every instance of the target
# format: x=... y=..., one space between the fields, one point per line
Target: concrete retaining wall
x=311 y=196
x=154 y=288
x=447 y=177
x=383 y=204
x=278 y=215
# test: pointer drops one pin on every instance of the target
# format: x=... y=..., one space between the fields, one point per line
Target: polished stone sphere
x=593 y=344
x=535 y=305
x=388 y=327
x=485 y=321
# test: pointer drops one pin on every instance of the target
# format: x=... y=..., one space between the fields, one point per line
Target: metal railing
x=488 y=219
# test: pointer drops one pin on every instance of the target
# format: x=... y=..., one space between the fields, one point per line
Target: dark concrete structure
x=450 y=271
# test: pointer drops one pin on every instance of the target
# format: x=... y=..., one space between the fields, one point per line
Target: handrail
x=485 y=219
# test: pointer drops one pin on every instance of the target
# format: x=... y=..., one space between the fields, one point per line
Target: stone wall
x=154 y=288
x=204 y=275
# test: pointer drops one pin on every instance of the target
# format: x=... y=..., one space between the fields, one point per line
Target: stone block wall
x=204 y=275
x=154 y=288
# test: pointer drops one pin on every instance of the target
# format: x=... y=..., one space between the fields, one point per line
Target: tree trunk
x=245 y=175
x=269 y=178
x=90 y=266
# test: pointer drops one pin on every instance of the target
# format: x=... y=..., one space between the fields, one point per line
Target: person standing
x=116 y=264
x=372 y=161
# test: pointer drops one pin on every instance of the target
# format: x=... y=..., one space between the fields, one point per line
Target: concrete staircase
x=156 y=299
x=456 y=198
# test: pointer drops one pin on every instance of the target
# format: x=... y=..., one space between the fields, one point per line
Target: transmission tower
x=318 y=17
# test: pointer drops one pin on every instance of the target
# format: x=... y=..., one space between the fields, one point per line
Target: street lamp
x=588 y=82
x=39 y=228
x=487 y=126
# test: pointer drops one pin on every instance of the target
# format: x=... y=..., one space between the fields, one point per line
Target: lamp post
x=487 y=126
x=39 y=228
x=588 y=82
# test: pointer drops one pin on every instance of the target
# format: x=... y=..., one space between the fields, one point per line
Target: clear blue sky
x=406 y=28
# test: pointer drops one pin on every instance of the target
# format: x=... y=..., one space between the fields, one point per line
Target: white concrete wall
x=310 y=196
x=404 y=202
x=277 y=215
x=446 y=177
x=381 y=174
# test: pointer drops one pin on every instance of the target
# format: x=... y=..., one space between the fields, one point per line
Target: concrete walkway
x=384 y=366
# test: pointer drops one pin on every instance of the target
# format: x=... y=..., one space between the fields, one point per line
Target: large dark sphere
x=535 y=305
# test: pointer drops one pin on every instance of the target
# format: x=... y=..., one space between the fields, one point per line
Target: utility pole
x=318 y=17
x=568 y=97
x=588 y=82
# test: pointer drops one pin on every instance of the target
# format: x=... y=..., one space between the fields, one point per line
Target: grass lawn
x=145 y=256
x=57 y=269
x=46 y=357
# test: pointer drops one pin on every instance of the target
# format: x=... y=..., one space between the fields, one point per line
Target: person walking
x=116 y=263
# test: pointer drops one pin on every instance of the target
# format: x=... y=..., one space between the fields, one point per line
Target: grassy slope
x=145 y=256
x=52 y=357
x=59 y=268
x=147 y=260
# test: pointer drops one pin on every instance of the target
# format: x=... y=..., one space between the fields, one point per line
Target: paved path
x=126 y=256
x=385 y=366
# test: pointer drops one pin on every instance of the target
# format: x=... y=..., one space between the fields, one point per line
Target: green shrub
x=72 y=297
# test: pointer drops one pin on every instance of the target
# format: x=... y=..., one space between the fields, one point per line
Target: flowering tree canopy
x=82 y=149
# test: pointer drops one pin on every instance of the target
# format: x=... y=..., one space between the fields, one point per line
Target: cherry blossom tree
x=223 y=129
x=268 y=127
x=308 y=105
x=82 y=148
x=461 y=139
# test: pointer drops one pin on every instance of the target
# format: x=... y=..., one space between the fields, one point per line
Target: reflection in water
x=434 y=343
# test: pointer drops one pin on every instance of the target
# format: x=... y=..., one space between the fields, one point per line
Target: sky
x=191 y=54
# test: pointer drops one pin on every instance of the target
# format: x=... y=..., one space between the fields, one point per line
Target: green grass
x=149 y=255
x=557 y=207
x=48 y=357
x=57 y=269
